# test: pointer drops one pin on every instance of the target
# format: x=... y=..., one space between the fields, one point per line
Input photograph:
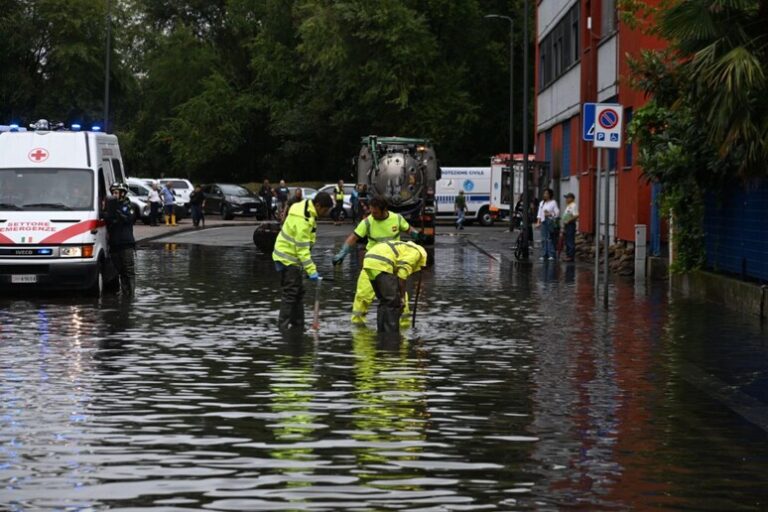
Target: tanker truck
x=404 y=171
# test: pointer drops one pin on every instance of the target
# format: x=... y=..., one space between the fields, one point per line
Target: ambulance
x=53 y=182
x=476 y=184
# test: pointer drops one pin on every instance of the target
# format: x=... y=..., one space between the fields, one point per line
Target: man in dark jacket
x=118 y=216
x=196 y=203
x=267 y=194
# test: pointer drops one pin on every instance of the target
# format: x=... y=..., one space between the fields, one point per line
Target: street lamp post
x=511 y=113
x=526 y=198
x=106 y=65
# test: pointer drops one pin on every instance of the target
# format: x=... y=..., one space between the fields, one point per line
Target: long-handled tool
x=416 y=300
x=316 y=320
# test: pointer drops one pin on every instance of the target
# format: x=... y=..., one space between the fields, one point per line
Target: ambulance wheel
x=485 y=217
x=97 y=288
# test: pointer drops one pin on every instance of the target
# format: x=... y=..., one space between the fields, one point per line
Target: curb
x=190 y=229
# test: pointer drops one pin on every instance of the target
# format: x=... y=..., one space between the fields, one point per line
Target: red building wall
x=634 y=194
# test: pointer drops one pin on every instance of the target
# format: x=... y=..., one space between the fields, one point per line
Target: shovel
x=316 y=320
x=416 y=300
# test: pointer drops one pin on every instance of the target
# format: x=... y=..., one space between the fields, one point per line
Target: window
x=46 y=189
x=627 y=144
x=608 y=15
x=548 y=146
x=566 y=168
x=117 y=166
x=612 y=158
x=559 y=49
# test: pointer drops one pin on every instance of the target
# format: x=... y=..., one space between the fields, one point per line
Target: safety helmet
x=119 y=185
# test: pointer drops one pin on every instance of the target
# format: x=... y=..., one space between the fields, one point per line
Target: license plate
x=23 y=278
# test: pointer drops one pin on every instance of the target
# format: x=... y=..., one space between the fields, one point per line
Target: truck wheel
x=484 y=216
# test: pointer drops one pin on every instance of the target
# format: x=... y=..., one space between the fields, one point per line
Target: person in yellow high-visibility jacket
x=380 y=226
x=292 y=255
x=388 y=266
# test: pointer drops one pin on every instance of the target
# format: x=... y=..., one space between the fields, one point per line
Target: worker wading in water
x=380 y=226
x=388 y=265
x=292 y=255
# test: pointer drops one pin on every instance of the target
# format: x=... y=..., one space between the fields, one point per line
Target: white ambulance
x=476 y=184
x=53 y=182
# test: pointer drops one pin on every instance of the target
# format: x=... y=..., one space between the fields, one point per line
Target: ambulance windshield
x=46 y=189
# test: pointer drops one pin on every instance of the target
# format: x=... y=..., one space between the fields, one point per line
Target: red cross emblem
x=38 y=155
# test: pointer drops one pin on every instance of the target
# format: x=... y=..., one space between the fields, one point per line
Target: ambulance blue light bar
x=95 y=128
x=75 y=127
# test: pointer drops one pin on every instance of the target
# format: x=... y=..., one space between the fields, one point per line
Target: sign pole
x=607 y=195
x=597 y=222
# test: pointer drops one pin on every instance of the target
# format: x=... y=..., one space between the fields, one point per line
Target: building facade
x=582 y=55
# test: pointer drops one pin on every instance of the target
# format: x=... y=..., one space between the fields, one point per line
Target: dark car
x=228 y=200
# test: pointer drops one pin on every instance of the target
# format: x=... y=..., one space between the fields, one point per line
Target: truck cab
x=53 y=185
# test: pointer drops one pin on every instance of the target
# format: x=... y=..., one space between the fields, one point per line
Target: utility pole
x=526 y=198
x=106 y=65
x=511 y=113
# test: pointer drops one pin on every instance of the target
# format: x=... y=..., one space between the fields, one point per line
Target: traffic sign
x=588 y=122
x=608 y=126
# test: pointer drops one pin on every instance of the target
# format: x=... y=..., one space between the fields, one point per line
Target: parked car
x=331 y=189
x=228 y=200
x=139 y=188
x=182 y=189
x=138 y=193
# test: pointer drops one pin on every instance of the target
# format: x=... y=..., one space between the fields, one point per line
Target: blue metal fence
x=736 y=227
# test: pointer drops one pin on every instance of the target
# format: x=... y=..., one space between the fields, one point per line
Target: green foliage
x=247 y=89
x=706 y=125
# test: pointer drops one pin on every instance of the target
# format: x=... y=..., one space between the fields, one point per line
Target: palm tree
x=723 y=45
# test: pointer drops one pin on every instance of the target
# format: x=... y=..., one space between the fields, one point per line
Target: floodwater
x=513 y=392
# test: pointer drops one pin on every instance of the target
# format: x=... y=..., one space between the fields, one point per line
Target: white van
x=52 y=185
x=476 y=184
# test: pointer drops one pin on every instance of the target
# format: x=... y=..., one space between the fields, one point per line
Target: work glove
x=415 y=236
x=314 y=276
x=341 y=254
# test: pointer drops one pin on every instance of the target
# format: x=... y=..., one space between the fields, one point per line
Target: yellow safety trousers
x=364 y=296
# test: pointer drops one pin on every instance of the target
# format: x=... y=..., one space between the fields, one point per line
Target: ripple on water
x=519 y=397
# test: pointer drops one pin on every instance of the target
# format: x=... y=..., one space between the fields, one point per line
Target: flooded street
x=513 y=392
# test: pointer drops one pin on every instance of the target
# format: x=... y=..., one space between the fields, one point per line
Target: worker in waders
x=380 y=226
x=388 y=265
x=292 y=255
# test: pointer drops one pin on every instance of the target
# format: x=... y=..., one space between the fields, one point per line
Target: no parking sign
x=608 y=122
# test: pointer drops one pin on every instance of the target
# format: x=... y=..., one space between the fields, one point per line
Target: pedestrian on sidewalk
x=292 y=255
x=546 y=220
x=197 y=203
x=169 y=198
x=267 y=194
x=460 y=208
x=154 y=204
x=354 y=201
x=282 y=194
x=338 y=198
x=570 y=216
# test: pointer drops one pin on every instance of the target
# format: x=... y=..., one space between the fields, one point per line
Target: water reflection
x=513 y=392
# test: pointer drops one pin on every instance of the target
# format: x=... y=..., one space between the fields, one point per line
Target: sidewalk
x=144 y=233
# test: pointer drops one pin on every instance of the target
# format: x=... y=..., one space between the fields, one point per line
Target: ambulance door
x=101 y=236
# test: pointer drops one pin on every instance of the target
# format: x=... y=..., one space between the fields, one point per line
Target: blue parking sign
x=588 y=122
